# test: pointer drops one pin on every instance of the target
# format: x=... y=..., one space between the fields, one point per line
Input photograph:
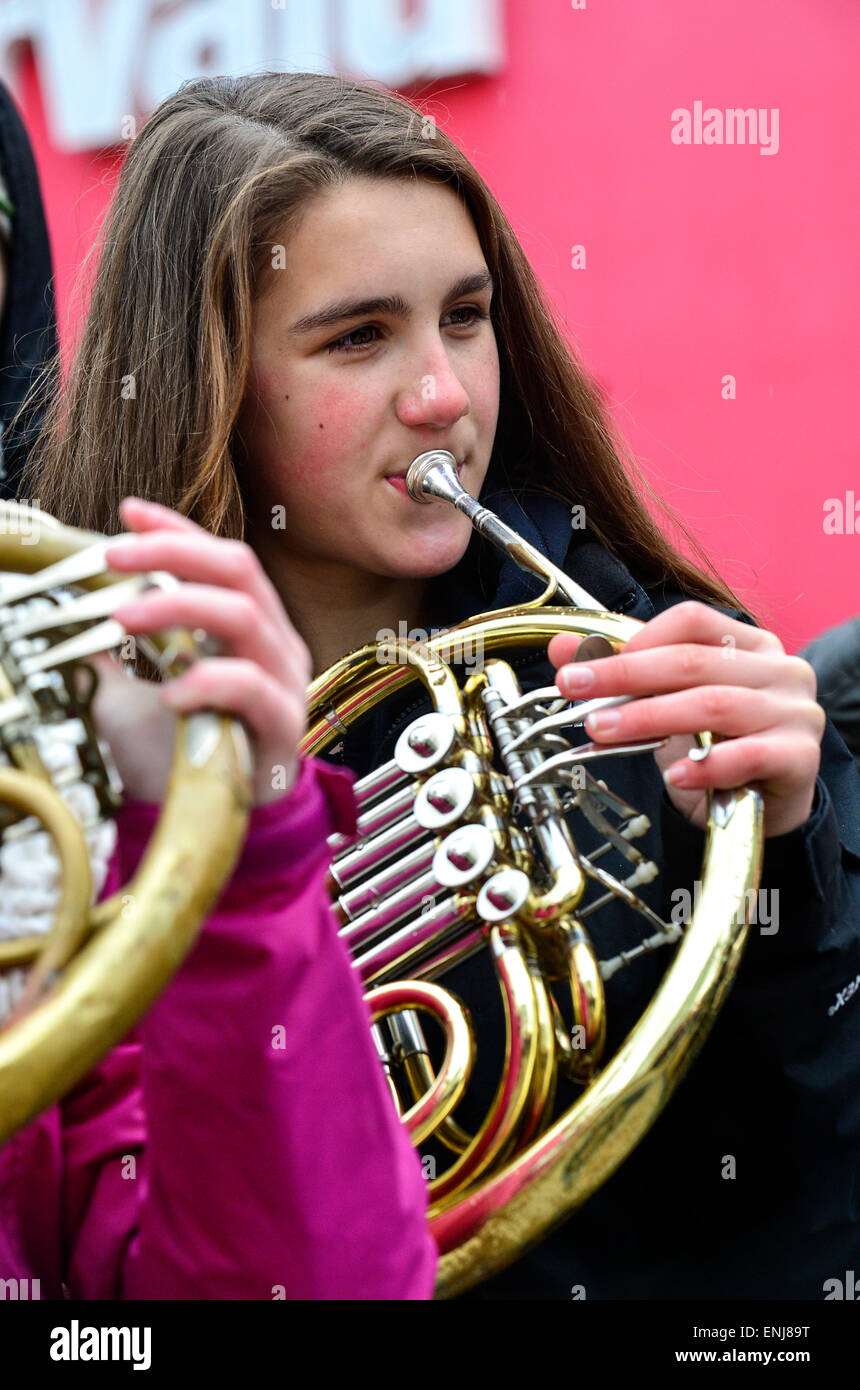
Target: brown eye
x=474 y=312
x=344 y=344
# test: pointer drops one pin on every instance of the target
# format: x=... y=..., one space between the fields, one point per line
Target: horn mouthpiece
x=434 y=474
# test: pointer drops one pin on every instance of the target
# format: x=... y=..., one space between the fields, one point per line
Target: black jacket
x=777 y=1084
x=28 y=336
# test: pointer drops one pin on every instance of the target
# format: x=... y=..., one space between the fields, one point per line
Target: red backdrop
x=701 y=261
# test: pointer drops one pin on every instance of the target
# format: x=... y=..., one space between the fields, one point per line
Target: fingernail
x=577 y=677
x=121 y=551
x=173 y=695
x=603 y=721
x=678 y=775
x=117 y=555
x=127 y=614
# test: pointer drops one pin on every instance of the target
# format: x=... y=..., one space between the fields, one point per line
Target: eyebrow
x=394 y=304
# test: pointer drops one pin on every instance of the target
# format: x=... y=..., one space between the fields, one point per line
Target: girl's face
x=371 y=344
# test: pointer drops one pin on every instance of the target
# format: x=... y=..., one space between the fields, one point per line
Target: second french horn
x=100 y=966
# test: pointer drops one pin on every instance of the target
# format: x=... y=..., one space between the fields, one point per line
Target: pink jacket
x=199 y=1161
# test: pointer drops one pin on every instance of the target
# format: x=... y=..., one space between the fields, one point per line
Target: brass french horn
x=479 y=806
x=101 y=966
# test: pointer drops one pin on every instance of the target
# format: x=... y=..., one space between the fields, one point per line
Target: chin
x=434 y=555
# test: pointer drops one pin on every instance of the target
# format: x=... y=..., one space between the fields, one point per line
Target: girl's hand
x=262 y=677
x=703 y=670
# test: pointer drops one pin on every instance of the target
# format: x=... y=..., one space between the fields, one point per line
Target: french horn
x=93 y=974
x=466 y=842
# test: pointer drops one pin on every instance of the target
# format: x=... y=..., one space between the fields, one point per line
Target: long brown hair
x=156 y=385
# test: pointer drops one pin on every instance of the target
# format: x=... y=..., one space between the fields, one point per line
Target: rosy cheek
x=322 y=429
x=336 y=430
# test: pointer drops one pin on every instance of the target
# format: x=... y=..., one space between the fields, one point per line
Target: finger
x=689 y=621
x=274 y=714
x=726 y=710
x=778 y=763
x=142 y=515
x=234 y=618
x=681 y=667
x=692 y=621
x=199 y=558
x=115 y=675
x=563 y=647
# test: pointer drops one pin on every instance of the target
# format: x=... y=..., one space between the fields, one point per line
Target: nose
x=435 y=394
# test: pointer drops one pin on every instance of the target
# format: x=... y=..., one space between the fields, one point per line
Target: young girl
x=307 y=289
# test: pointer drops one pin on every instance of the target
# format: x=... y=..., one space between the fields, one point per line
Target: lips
x=398 y=480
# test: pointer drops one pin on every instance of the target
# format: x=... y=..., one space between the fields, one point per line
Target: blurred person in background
x=835 y=657
x=28 y=336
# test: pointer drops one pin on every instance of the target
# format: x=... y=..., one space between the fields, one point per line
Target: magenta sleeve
x=274 y=1163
